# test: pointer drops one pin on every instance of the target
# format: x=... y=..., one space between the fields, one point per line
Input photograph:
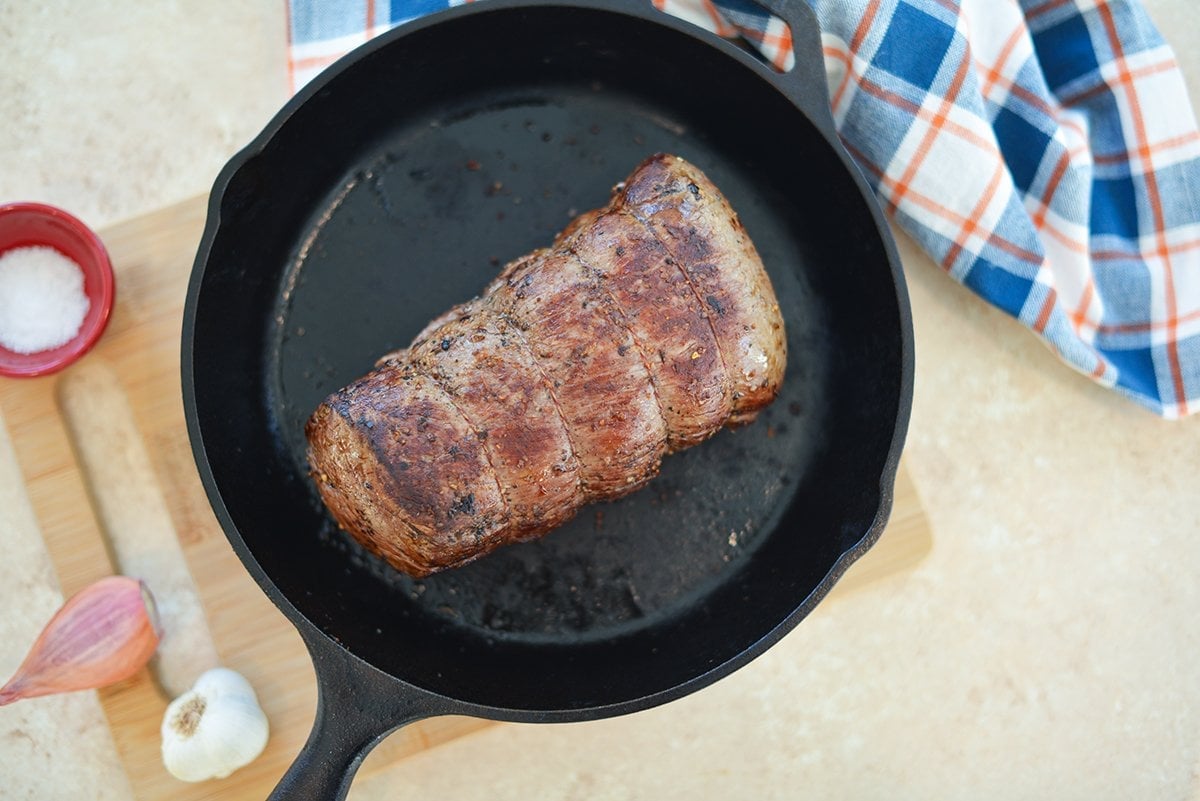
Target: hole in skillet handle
x=805 y=83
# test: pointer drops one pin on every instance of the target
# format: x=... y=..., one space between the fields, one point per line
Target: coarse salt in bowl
x=25 y=230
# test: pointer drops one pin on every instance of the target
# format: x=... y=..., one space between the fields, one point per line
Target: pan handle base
x=357 y=706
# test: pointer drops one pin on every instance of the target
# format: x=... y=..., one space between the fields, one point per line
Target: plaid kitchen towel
x=1043 y=152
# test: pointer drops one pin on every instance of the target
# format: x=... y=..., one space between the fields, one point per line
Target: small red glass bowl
x=28 y=224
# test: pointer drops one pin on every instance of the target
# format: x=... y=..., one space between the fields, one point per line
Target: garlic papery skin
x=104 y=634
x=214 y=728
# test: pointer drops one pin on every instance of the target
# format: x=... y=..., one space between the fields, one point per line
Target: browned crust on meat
x=398 y=468
x=695 y=223
x=596 y=375
x=647 y=325
x=484 y=364
x=665 y=319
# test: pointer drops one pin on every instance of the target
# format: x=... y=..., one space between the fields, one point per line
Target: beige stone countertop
x=1049 y=646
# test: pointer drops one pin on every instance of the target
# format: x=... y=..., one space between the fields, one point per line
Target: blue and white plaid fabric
x=1043 y=152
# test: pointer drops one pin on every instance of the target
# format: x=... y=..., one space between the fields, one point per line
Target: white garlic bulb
x=214 y=728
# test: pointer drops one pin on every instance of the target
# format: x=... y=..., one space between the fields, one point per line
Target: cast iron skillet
x=388 y=190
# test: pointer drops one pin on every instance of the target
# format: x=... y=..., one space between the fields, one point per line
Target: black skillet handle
x=357 y=706
x=805 y=82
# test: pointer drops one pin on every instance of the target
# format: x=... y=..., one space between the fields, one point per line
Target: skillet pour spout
x=369 y=205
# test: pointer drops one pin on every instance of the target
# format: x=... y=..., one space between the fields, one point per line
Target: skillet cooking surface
x=422 y=224
x=389 y=196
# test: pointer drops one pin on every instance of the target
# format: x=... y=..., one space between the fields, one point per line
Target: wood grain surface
x=97 y=516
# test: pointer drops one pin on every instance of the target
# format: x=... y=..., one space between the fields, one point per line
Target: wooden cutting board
x=129 y=384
